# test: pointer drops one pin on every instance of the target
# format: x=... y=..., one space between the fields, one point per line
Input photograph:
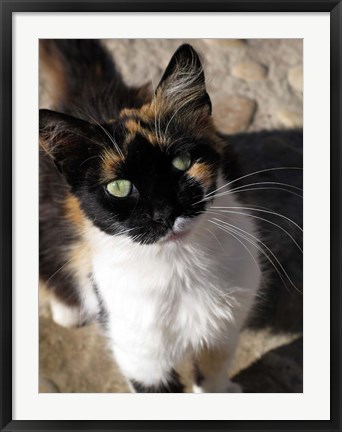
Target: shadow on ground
x=277 y=371
x=280 y=308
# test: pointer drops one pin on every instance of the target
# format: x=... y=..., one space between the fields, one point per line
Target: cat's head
x=146 y=172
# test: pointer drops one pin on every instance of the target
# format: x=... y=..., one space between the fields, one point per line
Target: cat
x=129 y=179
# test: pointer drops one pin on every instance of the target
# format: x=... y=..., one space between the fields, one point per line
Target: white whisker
x=239 y=234
x=224 y=209
x=111 y=138
x=215 y=237
x=235 y=191
x=263 y=244
x=249 y=252
x=268 y=221
x=250 y=174
x=267 y=183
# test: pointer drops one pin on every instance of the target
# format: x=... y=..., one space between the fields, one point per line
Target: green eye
x=182 y=162
x=119 y=188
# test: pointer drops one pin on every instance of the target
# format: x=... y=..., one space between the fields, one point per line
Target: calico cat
x=128 y=181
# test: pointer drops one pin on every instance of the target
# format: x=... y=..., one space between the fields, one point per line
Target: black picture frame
x=7 y=9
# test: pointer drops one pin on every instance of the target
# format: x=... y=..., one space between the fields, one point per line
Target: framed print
x=185 y=191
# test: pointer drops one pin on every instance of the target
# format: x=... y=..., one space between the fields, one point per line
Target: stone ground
x=255 y=85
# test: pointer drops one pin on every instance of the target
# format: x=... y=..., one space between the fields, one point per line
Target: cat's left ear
x=69 y=141
x=183 y=81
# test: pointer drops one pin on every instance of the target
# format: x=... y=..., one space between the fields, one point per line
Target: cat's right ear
x=69 y=141
x=183 y=82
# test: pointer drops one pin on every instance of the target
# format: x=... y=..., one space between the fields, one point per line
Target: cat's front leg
x=64 y=314
x=84 y=309
x=211 y=371
x=148 y=375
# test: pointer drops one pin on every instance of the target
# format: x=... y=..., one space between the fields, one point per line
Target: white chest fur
x=163 y=300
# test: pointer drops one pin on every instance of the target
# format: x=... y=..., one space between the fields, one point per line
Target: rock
x=295 y=77
x=234 y=114
x=250 y=71
x=235 y=43
x=291 y=119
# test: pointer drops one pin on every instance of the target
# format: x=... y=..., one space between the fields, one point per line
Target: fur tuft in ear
x=183 y=82
x=69 y=141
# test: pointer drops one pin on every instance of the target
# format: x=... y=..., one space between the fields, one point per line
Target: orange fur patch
x=199 y=123
x=79 y=260
x=73 y=211
x=110 y=161
x=78 y=254
x=202 y=172
x=134 y=127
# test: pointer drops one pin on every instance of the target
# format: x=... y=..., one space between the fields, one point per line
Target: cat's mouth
x=162 y=234
x=179 y=231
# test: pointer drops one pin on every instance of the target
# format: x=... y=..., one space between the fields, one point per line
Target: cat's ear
x=69 y=141
x=183 y=81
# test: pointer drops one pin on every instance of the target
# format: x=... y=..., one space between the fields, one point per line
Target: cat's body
x=160 y=273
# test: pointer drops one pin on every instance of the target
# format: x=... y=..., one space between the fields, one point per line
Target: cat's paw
x=64 y=315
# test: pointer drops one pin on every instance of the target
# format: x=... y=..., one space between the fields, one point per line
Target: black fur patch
x=55 y=233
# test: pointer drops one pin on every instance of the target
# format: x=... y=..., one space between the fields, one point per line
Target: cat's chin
x=173 y=236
